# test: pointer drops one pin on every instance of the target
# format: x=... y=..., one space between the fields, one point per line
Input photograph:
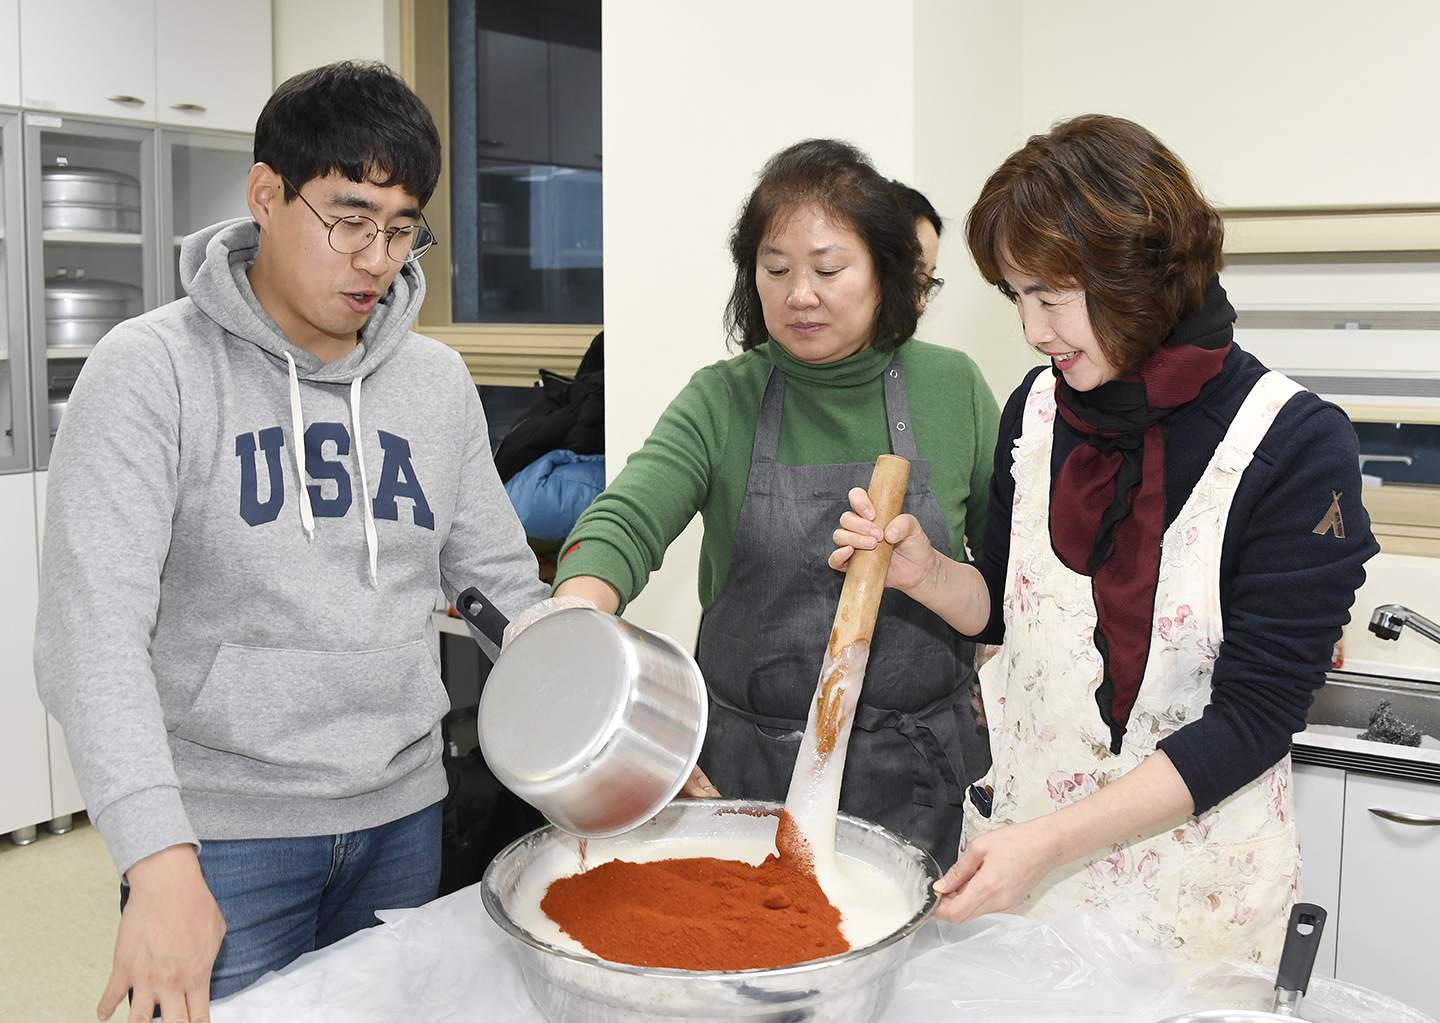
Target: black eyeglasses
x=354 y=233
x=933 y=286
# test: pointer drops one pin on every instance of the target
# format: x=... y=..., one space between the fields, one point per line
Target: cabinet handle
x=189 y=108
x=129 y=101
x=1417 y=819
x=489 y=142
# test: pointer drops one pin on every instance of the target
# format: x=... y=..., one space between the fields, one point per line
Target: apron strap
x=761 y=720
x=925 y=745
x=897 y=411
x=767 y=427
x=897 y=414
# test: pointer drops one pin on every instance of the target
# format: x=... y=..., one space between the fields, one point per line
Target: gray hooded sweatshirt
x=233 y=656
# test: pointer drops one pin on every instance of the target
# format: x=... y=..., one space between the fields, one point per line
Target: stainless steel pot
x=89 y=199
x=853 y=987
x=1292 y=980
x=80 y=310
x=595 y=722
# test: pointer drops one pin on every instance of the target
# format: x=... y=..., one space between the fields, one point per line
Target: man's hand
x=169 y=936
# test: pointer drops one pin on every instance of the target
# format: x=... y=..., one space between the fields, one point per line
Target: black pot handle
x=1302 y=941
x=476 y=609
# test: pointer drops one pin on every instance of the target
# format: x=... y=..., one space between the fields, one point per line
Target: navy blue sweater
x=1285 y=591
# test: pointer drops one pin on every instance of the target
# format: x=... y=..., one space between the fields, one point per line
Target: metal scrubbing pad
x=1386 y=727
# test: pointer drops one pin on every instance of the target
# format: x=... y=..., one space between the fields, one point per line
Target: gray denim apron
x=915 y=743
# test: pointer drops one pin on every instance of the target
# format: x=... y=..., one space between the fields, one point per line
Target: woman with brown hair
x=1165 y=562
x=765 y=446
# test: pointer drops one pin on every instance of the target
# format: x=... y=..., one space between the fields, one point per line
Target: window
x=514 y=283
x=525 y=177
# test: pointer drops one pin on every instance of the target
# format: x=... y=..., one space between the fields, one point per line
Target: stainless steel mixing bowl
x=853 y=987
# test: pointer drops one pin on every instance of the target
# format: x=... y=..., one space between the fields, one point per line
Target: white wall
x=310 y=33
x=967 y=120
x=696 y=98
x=1269 y=102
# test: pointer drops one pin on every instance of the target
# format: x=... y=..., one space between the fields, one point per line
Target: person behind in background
x=928 y=228
x=828 y=288
x=1174 y=541
x=254 y=497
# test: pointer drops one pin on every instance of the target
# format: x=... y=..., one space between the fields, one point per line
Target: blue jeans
x=283 y=897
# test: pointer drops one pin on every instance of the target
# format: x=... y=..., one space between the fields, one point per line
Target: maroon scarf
x=1107 y=511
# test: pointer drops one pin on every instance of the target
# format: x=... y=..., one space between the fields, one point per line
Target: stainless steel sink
x=1347 y=700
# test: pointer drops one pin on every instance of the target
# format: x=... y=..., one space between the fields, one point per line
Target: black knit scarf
x=1107 y=516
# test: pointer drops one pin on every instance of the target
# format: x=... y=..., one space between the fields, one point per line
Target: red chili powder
x=697 y=914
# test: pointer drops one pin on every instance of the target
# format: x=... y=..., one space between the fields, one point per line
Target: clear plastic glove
x=535 y=612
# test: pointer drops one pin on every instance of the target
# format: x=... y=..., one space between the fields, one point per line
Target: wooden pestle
x=860 y=597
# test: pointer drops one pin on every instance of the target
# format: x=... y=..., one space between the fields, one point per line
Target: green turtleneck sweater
x=698 y=457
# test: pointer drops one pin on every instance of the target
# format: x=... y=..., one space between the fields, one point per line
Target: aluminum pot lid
x=87 y=174
x=66 y=286
x=557 y=695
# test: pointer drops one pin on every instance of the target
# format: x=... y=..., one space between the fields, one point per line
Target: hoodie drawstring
x=297 y=425
x=307 y=515
x=371 y=541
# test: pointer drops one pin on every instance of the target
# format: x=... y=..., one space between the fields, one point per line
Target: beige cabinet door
x=9 y=53
x=24 y=743
x=1320 y=815
x=212 y=62
x=1389 y=888
x=64 y=790
x=89 y=57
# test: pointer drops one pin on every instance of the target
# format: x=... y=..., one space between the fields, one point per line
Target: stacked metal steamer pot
x=80 y=310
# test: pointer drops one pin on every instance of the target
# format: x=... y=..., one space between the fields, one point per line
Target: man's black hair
x=357 y=118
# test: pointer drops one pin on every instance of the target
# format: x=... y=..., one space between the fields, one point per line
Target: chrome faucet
x=1388 y=619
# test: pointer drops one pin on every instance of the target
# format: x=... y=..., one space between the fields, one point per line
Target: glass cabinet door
x=202 y=182
x=92 y=228
x=15 y=451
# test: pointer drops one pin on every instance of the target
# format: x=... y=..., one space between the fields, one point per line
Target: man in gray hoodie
x=254 y=496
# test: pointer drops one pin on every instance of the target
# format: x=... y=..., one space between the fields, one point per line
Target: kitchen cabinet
x=1389 y=897
x=92 y=57
x=513 y=99
x=212 y=62
x=196 y=63
x=1320 y=815
x=24 y=740
x=15 y=453
x=9 y=53
x=65 y=795
x=74 y=246
x=202 y=180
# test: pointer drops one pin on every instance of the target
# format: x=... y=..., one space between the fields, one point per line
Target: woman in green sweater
x=765 y=446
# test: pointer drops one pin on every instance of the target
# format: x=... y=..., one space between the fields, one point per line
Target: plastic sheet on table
x=448 y=962
x=1084 y=968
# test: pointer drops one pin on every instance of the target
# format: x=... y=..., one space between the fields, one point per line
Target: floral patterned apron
x=1220 y=885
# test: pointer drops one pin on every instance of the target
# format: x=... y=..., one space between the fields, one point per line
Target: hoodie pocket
x=311 y=723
